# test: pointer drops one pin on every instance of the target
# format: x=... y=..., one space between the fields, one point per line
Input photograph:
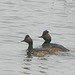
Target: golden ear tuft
x=28 y=39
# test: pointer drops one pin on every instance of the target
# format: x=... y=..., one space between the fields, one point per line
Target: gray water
x=21 y=17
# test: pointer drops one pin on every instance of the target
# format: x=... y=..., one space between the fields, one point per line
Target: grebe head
x=46 y=36
x=27 y=39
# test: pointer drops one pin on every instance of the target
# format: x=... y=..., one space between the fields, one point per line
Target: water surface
x=21 y=17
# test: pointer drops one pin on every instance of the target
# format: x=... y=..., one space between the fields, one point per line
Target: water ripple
x=32 y=17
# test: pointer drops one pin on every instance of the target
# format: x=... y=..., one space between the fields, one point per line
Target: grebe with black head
x=36 y=51
x=51 y=46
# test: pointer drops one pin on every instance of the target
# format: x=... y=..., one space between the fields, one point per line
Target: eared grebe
x=36 y=51
x=52 y=46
